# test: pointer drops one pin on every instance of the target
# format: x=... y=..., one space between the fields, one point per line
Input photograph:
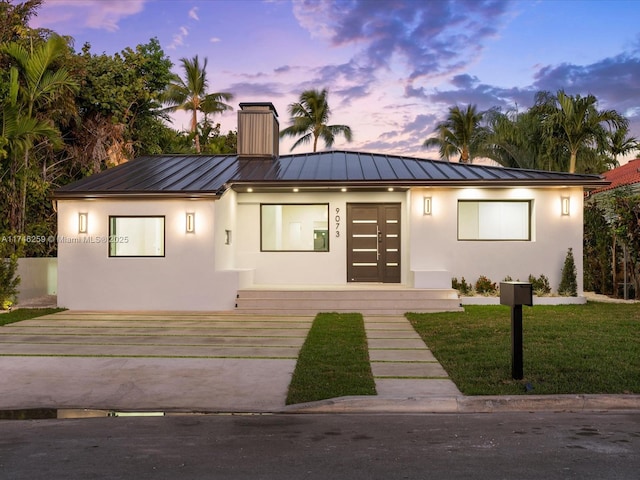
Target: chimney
x=258 y=130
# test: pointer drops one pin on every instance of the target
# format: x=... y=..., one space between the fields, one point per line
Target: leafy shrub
x=568 y=281
x=462 y=286
x=484 y=286
x=540 y=285
x=9 y=281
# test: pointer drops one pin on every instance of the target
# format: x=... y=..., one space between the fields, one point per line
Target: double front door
x=373 y=242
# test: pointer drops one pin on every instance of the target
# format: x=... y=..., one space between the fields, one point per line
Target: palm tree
x=309 y=118
x=620 y=143
x=461 y=133
x=190 y=94
x=575 y=123
x=34 y=84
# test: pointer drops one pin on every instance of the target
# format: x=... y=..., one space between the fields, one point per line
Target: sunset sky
x=392 y=67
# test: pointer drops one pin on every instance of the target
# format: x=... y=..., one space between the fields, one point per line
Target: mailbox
x=516 y=293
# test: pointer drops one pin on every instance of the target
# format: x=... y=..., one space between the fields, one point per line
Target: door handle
x=378 y=242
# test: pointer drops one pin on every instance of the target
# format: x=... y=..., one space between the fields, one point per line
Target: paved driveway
x=146 y=361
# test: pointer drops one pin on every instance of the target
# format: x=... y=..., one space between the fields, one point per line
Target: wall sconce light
x=565 y=203
x=427 y=206
x=83 y=222
x=191 y=222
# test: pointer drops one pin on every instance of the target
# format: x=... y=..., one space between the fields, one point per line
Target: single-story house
x=190 y=232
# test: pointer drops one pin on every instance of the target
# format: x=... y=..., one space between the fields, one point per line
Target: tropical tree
x=309 y=117
x=575 y=122
x=620 y=143
x=190 y=94
x=460 y=134
x=36 y=84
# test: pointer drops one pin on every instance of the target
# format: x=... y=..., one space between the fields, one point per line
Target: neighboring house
x=188 y=232
x=627 y=175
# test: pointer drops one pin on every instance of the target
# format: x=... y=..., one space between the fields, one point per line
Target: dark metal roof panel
x=204 y=174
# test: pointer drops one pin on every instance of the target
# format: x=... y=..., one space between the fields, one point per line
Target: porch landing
x=372 y=299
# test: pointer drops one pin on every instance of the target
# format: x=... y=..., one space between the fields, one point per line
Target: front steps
x=372 y=300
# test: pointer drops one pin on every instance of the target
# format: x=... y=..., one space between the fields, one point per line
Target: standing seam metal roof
x=212 y=175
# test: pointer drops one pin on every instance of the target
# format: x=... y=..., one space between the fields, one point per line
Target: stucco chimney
x=258 y=130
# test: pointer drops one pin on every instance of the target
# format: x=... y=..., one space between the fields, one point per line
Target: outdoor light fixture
x=565 y=203
x=191 y=222
x=390 y=189
x=227 y=237
x=427 y=205
x=249 y=189
x=83 y=222
x=296 y=190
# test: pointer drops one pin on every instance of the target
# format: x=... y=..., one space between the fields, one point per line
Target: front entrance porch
x=365 y=298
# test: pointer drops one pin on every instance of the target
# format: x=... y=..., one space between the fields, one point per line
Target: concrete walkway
x=401 y=363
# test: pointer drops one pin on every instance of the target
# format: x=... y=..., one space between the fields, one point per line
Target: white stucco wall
x=186 y=278
x=436 y=247
x=202 y=271
x=305 y=268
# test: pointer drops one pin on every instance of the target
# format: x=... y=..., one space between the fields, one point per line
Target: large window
x=494 y=220
x=136 y=236
x=294 y=228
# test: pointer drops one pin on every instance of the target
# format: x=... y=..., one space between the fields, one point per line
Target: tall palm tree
x=461 y=133
x=309 y=118
x=190 y=94
x=575 y=122
x=36 y=83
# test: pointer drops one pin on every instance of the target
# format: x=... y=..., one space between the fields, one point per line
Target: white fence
x=38 y=277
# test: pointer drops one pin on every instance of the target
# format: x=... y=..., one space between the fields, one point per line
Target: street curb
x=464 y=404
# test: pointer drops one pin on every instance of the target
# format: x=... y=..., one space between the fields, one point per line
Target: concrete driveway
x=147 y=361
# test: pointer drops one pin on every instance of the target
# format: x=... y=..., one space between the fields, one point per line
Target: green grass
x=593 y=348
x=25 y=314
x=334 y=360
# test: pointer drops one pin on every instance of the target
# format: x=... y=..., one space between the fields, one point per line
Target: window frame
x=303 y=204
x=113 y=236
x=529 y=204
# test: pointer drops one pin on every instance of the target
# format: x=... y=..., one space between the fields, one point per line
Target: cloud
x=256 y=90
x=178 y=38
x=613 y=80
x=75 y=14
x=214 y=40
x=431 y=38
x=193 y=13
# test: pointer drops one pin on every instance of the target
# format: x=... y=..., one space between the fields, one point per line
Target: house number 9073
x=337 y=219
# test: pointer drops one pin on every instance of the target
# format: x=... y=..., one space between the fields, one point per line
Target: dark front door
x=373 y=242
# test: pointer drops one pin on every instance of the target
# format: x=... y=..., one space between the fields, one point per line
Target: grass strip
x=567 y=349
x=26 y=314
x=334 y=360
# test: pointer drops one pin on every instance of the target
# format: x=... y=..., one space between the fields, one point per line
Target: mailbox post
x=516 y=294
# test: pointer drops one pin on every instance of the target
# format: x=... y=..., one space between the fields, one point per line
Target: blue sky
x=392 y=67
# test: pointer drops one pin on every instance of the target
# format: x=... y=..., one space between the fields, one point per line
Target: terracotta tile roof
x=627 y=174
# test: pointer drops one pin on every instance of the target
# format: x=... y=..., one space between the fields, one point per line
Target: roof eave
x=419 y=183
x=135 y=195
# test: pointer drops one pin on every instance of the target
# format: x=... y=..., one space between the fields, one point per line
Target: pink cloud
x=78 y=14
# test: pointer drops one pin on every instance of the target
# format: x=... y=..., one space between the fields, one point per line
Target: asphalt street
x=419 y=446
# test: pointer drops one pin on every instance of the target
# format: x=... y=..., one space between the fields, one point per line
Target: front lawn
x=593 y=348
x=25 y=314
x=334 y=360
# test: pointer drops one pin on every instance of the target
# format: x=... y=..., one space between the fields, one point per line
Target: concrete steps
x=373 y=300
